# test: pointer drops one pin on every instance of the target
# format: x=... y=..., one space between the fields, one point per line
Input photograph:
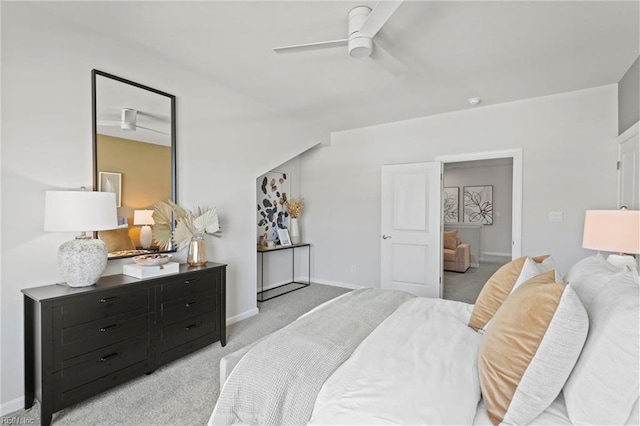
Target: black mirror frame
x=94 y=74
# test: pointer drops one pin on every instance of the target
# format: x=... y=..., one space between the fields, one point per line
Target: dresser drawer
x=87 y=337
x=104 y=305
x=91 y=366
x=189 y=329
x=188 y=307
x=188 y=286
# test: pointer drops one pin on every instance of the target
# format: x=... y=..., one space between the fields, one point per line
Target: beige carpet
x=465 y=287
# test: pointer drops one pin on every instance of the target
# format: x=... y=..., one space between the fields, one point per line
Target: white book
x=139 y=271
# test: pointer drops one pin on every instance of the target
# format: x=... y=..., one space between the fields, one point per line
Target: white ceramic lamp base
x=82 y=261
x=146 y=237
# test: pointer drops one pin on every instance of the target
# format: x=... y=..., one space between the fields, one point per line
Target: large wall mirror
x=134 y=155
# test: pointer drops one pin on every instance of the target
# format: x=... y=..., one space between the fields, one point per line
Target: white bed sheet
x=424 y=355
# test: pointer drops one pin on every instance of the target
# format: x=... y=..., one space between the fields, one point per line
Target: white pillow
x=603 y=386
x=589 y=275
x=531 y=268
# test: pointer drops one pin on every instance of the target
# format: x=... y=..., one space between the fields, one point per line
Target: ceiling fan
x=128 y=121
x=364 y=24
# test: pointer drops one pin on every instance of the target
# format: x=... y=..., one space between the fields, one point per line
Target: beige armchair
x=456 y=254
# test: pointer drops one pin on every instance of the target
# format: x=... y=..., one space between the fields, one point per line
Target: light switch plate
x=556 y=217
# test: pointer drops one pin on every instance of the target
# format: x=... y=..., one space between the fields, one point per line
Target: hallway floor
x=465 y=287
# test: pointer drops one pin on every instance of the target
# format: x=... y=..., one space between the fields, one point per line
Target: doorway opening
x=486 y=190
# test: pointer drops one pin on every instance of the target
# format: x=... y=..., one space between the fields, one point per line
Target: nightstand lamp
x=615 y=231
x=81 y=261
x=144 y=218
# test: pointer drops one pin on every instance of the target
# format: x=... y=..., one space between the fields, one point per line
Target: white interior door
x=629 y=169
x=411 y=252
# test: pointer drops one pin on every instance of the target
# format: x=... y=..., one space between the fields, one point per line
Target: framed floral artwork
x=478 y=204
x=450 y=203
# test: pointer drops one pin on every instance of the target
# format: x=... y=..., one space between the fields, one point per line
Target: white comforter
x=418 y=367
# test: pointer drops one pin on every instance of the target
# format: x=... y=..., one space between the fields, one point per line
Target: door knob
x=384 y=237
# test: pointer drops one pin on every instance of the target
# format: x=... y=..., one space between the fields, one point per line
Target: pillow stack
x=535 y=338
x=498 y=287
x=603 y=386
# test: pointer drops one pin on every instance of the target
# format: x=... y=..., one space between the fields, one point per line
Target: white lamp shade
x=78 y=211
x=612 y=230
x=143 y=217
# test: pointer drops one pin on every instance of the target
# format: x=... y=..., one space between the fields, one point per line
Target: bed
x=536 y=348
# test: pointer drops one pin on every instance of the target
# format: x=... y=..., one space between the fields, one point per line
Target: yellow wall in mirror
x=146 y=174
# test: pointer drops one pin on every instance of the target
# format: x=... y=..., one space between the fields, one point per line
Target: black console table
x=79 y=342
x=293 y=285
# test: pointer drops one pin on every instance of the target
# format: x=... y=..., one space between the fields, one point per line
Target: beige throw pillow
x=528 y=352
x=496 y=290
x=450 y=239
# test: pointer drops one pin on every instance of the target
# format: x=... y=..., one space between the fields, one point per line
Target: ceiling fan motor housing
x=128 y=119
x=359 y=45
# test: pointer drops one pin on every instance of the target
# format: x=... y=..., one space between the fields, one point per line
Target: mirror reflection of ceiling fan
x=128 y=121
x=364 y=24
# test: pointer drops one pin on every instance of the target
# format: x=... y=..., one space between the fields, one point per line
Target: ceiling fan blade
x=151 y=130
x=380 y=14
x=311 y=46
x=387 y=60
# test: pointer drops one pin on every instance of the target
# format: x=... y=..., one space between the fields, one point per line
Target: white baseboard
x=11 y=406
x=475 y=265
x=242 y=316
x=490 y=253
x=336 y=284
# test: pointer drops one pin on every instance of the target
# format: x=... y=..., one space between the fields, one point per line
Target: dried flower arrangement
x=295 y=207
x=189 y=224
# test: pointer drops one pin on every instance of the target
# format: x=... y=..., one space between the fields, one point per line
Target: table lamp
x=144 y=218
x=81 y=261
x=615 y=231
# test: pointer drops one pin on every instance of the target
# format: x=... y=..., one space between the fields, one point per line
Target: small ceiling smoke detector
x=474 y=101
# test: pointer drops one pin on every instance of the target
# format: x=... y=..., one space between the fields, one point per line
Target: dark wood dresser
x=82 y=341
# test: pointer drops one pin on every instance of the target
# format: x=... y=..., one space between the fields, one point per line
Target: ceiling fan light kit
x=128 y=120
x=364 y=24
x=359 y=45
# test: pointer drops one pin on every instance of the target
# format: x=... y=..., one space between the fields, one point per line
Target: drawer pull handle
x=189 y=327
x=109 y=327
x=189 y=281
x=189 y=304
x=108 y=299
x=108 y=357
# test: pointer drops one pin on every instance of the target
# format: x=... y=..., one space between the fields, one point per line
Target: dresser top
x=56 y=291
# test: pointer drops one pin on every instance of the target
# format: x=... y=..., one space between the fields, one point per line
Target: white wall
x=225 y=140
x=569 y=155
x=496 y=238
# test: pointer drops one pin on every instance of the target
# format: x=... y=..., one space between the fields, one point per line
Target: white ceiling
x=500 y=51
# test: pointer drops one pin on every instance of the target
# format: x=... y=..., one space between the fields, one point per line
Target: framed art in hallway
x=450 y=203
x=111 y=182
x=478 y=204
